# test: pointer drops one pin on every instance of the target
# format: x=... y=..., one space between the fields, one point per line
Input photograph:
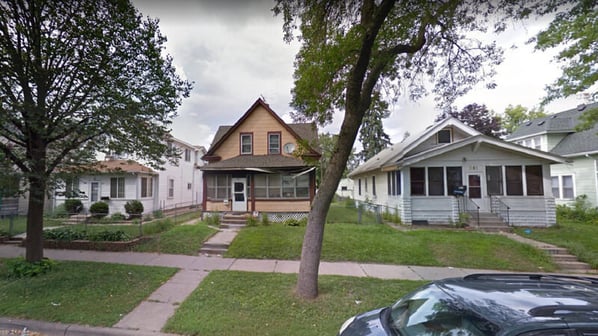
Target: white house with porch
x=450 y=168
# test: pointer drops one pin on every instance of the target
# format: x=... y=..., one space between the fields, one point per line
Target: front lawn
x=182 y=239
x=87 y=293
x=579 y=237
x=377 y=243
x=244 y=303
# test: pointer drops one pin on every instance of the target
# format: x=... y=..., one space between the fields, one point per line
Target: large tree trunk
x=35 y=220
x=307 y=282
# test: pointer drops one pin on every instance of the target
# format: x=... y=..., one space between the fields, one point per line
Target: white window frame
x=118 y=192
x=450 y=140
x=250 y=144
x=561 y=187
x=170 y=188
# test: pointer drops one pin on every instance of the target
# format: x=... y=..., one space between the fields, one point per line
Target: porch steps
x=489 y=222
x=566 y=262
x=233 y=221
x=218 y=244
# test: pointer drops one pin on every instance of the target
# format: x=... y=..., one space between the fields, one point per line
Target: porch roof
x=244 y=162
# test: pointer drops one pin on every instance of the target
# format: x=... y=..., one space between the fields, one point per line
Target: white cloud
x=234 y=52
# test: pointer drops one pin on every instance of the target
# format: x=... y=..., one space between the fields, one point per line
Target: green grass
x=345 y=213
x=88 y=293
x=243 y=303
x=19 y=225
x=182 y=239
x=382 y=244
x=577 y=236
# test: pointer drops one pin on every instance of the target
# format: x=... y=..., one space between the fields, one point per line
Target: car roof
x=515 y=299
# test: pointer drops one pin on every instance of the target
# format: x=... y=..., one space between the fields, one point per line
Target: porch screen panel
x=436 y=181
x=514 y=180
x=494 y=182
x=534 y=180
x=418 y=181
x=288 y=186
x=274 y=186
x=260 y=187
x=218 y=187
x=302 y=189
x=454 y=179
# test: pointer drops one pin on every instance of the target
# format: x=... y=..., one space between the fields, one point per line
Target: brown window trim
x=279 y=143
x=241 y=143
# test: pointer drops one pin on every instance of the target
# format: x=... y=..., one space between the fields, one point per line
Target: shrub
x=580 y=210
x=109 y=236
x=213 y=219
x=158 y=214
x=73 y=206
x=117 y=216
x=20 y=268
x=265 y=219
x=134 y=208
x=99 y=209
x=251 y=221
x=296 y=222
x=65 y=234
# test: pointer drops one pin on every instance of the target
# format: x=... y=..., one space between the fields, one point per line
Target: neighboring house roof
x=573 y=143
x=393 y=153
x=301 y=131
x=118 y=166
x=402 y=154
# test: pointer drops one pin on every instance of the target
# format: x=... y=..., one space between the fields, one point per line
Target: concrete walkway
x=153 y=313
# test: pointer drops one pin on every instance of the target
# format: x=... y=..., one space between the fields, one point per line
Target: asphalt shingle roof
x=562 y=122
x=255 y=161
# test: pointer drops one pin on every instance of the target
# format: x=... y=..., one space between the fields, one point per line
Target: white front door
x=476 y=191
x=239 y=194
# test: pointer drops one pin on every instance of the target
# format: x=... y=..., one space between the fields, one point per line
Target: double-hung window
x=117 y=187
x=246 y=144
x=147 y=187
x=562 y=187
x=274 y=143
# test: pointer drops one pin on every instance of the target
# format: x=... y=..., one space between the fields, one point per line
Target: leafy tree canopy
x=475 y=116
x=79 y=77
x=573 y=29
x=516 y=115
x=355 y=54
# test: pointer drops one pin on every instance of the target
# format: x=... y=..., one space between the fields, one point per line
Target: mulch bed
x=93 y=245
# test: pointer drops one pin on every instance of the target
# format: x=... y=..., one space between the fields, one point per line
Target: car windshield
x=429 y=311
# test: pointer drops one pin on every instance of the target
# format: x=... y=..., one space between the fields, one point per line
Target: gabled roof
x=115 y=166
x=574 y=142
x=395 y=152
x=562 y=122
x=477 y=140
x=301 y=131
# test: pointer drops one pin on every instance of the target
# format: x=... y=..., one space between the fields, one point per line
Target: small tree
x=134 y=208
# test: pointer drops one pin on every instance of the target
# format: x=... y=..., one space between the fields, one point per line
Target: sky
x=234 y=53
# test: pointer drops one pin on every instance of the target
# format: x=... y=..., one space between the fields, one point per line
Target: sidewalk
x=153 y=313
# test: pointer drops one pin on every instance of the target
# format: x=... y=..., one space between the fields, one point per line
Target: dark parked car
x=489 y=304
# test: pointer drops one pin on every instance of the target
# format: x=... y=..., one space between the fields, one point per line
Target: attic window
x=528 y=123
x=541 y=122
x=444 y=136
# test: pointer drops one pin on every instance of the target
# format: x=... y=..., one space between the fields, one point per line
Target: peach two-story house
x=261 y=164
